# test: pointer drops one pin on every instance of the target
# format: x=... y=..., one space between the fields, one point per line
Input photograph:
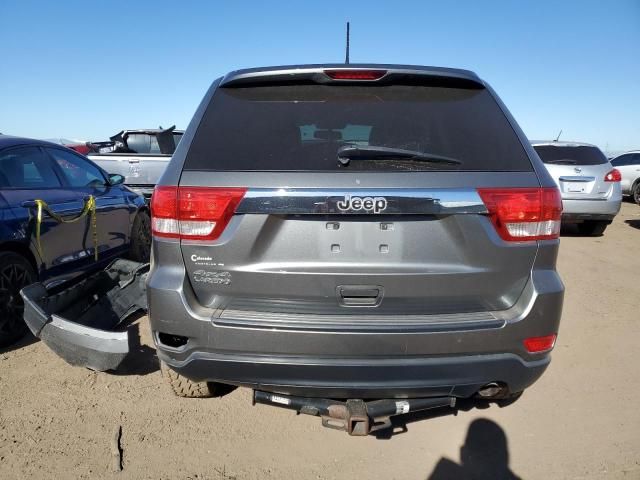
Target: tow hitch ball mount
x=356 y=417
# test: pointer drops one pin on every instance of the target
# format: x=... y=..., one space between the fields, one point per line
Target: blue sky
x=87 y=69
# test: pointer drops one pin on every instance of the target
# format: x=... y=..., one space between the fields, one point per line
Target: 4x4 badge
x=368 y=204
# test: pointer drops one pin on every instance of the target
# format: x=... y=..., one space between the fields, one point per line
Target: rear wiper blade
x=372 y=152
x=565 y=161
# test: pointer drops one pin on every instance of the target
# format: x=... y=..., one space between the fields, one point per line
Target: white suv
x=589 y=185
x=629 y=166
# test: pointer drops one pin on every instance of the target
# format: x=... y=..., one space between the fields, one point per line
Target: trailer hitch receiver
x=355 y=416
x=351 y=416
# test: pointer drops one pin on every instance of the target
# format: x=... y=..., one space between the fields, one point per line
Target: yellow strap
x=89 y=208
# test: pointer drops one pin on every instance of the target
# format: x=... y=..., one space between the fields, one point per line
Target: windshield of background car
x=301 y=127
x=578 y=155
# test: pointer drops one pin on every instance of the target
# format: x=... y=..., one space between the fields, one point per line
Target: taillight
x=83 y=149
x=164 y=212
x=520 y=214
x=194 y=213
x=346 y=74
x=540 y=344
x=613 y=176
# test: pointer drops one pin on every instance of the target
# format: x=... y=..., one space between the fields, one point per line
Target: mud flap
x=78 y=321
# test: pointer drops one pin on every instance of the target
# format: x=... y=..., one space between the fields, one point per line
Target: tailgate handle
x=359 y=295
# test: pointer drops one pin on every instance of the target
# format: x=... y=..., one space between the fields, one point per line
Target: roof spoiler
x=385 y=75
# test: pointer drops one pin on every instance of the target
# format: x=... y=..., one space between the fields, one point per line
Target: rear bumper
x=433 y=360
x=458 y=376
x=581 y=217
x=577 y=210
x=87 y=339
x=77 y=344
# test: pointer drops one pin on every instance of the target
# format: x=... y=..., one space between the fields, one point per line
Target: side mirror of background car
x=115 y=179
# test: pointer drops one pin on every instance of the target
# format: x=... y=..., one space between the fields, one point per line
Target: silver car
x=140 y=156
x=589 y=184
x=629 y=166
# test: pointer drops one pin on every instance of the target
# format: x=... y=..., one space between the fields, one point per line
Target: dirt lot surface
x=581 y=420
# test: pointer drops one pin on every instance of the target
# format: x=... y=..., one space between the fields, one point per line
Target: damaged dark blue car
x=40 y=181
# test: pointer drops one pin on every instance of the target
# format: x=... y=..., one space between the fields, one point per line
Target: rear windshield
x=568 y=155
x=144 y=143
x=301 y=127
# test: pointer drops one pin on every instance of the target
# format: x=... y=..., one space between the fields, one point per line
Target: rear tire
x=15 y=273
x=635 y=192
x=593 y=228
x=140 y=249
x=183 y=387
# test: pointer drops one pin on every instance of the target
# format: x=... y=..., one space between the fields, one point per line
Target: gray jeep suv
x=383 y=234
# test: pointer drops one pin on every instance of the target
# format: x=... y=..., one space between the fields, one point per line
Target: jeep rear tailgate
x=300 y=231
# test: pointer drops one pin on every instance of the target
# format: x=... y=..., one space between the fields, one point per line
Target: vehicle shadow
x=484 y=454
x=571 y=230
x=142 y=359
x=633 y=223
x=28 y=339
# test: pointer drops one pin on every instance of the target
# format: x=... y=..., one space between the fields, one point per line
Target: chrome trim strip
x=355 y=323
x=397 y=201
x=577 y=179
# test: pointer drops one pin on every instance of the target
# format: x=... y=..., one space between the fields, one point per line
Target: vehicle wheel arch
x=22 y=250
x=132 y=219
x=138 y=251
x=143 y=209
x=634 y=186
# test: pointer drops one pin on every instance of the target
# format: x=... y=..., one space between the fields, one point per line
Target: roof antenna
x=346 y=59
x=558 y=137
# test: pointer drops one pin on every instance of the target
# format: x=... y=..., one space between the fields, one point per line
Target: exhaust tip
x=493 y=390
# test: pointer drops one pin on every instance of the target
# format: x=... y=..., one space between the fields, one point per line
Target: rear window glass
x=568 y=155
x=624 y=160
x=144 y=143
x=301 y=127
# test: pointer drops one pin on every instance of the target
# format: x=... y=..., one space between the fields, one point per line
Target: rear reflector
x=540 y=344
x=355 y=74
x=521 y=214
x=194 y=213
x=613 y=176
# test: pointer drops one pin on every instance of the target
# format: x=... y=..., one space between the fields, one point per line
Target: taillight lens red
x=83 y=149
x=521 y=214
x=613 y=176
x=540 y=344
x=346 y=74
x=193 y=213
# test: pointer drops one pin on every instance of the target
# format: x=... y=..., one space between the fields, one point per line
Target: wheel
x=636 y=193
x=183 y=387
x=15 y=273
x=592 y=228
x=140 y=249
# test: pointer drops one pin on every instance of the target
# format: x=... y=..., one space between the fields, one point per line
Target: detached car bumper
x=77 y=322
